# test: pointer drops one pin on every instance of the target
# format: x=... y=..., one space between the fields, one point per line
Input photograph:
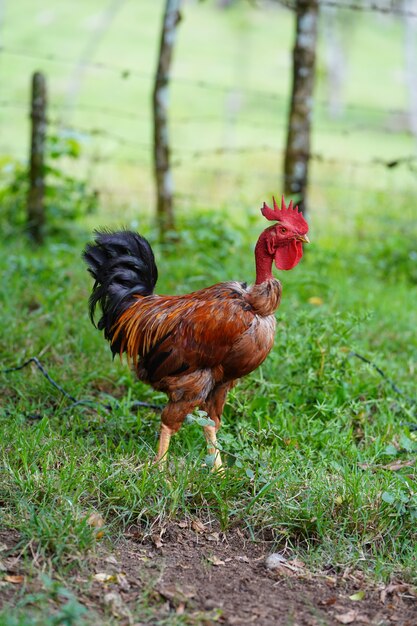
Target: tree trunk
x=298 y=139
x=35 y=202
x=163 y=174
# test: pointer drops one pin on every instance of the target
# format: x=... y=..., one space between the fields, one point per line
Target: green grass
x=308 y=436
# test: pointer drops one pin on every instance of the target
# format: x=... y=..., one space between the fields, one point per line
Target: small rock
x=211 y=603
x=274 y=560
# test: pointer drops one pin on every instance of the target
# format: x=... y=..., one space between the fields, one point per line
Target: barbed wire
x=126 y=72
x=370 y=7
x=239 y=119
x=185 y=155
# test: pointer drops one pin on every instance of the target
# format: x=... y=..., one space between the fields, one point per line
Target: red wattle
x=287 y=257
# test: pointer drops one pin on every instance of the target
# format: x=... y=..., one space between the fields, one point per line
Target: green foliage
x=67 y=197
x=396 y=257
x=69 y=613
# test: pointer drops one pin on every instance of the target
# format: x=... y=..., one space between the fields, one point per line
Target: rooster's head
x=284 y=241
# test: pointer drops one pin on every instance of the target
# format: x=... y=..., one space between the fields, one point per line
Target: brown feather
x=225 y=328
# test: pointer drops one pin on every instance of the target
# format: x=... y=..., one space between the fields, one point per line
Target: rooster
x=193 y=347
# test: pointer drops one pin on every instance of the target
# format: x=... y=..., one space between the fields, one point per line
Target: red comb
x=288 y=214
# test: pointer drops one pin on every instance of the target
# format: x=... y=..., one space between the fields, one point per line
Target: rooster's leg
x=163 y=444
x=172 y=417
x=210 y=434
x=214 y=407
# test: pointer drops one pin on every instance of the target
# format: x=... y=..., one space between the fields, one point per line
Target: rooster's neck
x=263 y=261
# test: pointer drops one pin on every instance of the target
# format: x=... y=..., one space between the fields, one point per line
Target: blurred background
x=229 y=101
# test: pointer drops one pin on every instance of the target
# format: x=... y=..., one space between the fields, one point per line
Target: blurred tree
x=241 y=23
x=335 y=58
x=297 y=151
x=163 y=174
x=104 y=22
x=409 y=8
x=36 y=193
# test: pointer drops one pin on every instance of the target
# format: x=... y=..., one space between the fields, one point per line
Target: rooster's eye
x=283 y=230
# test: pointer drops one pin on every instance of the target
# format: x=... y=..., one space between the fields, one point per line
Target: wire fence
x=390 y=7
x=244 y=129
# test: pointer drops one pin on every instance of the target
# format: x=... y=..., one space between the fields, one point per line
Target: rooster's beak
x=303 y=238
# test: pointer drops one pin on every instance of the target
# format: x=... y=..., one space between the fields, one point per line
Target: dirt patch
x=219 y=578
x=194 y=570
x=11 y=568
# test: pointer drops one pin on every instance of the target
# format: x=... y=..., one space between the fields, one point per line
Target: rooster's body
x=192 y=347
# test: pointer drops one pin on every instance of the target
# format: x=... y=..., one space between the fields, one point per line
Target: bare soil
x=192 y=569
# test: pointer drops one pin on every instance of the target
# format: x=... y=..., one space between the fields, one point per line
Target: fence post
x=297 y=151
x=35 y=201
x=163 y=174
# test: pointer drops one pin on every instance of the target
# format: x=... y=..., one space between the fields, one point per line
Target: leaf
x=95 y=520
x=209 y=459
x=395 y=588
x=295 y=563
x=366 y=466
x=249 y=473
x=215 y=560
x=175 y=595
x=242 y=559
x=14 y=579
x=356 y=597
x=213 y=537
x=103 y=577
x=352 y=617
x=397 y=465
x=316 y=300
x=204 y=421
x=391 y=450
x=157 y=541
x=347 y=618
x=198 y=526
x=388 y=497
x=407 y=443
x=328 y=601
x=201 y=419
x=183 y=524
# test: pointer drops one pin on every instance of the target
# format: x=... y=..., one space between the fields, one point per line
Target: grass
x=310 y=437
x=318 y=445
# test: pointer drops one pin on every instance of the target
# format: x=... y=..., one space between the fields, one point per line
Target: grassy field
x=320 y=448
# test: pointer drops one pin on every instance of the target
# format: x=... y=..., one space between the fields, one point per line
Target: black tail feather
x=123 y=266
